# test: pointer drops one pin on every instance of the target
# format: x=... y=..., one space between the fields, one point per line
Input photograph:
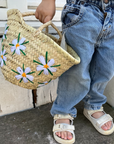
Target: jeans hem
x=72 y=115
x=92 y=107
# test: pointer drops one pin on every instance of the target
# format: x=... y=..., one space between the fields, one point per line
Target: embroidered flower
x=46 y=66
x=4 y=35
x=24 y=74
x=44 y=83
x=18 y=45
x=2 y=57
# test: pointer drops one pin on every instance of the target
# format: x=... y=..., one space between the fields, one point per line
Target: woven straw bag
x=31 y=58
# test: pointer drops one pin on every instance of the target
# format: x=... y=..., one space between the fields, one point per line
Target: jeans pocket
x=71 y=15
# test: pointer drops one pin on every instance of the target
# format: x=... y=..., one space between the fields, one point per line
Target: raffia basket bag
x=31 y=58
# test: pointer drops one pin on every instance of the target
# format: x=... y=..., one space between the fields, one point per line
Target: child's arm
x=45 y=11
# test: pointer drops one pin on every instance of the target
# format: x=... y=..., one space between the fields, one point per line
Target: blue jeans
x=89 y=30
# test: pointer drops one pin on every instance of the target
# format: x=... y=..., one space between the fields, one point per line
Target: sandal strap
x=103 y=119
x=60 y=116
x=90 y=112
x=63 y=127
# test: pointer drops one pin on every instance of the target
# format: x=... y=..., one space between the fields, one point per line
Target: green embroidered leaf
x=49 y=71
x=2 y=39
x=22 y=52
x=46 y=57
x=30 y=81
x=30 y=73
x=7 y=27
x=40 y=72
x=50 y=80
x=5 y=36
x=11 y=44
x=5 y=54
x=55 y=66
x=37 y=62
x=24 y=43
x=23 y=68
x=4 y=62
x=13 y=52
x=18 y=38
x=40 y=83
x=16 y=72
x=2 y=48
x=21 y=80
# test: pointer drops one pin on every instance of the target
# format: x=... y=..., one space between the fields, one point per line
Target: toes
x=107 y=126
x=69 y=136
x=104 y=127
x=65 y=135
x=58 y=134
x=62 y=135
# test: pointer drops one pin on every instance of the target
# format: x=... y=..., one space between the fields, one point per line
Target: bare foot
x=64 y=134
x=107 y=125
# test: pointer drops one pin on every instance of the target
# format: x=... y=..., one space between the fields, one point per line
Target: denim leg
x=102 y=67
x=74 y=84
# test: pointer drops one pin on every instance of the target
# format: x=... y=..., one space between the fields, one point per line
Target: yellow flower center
x=2 y=56
x=24 y=74
x=46 y=83
x=17 y=45
x=46 y=66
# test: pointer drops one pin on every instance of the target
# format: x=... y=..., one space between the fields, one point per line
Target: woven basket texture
x=35 y=47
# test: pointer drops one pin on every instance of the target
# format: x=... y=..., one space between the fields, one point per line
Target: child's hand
x=45 y=11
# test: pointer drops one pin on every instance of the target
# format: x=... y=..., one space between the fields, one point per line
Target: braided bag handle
x=43 y=26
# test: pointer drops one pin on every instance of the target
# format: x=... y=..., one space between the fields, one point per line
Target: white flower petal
x=40 y=67
x=45 y=82
x=51 y=62
x=4 y=58
x=6 y=26
x=5 y=31
x=45 y=71
x=42 y=60
x=30 y=77
x=3 y=36
x=2 y=63
x=22 y=47
x=14 y=41
x=12 y=48
x=4 y=52
x=18 y=51
x=18 y=77
x=0 y=59
x=41 y=85
x=27 y=70
x=1 y=53
x=52 y=69
x=25 y=80
x=22 y=40
x=20 y=70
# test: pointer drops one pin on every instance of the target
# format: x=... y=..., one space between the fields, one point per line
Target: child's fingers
x=47 y=18
x=43 y=17
x=40 y=18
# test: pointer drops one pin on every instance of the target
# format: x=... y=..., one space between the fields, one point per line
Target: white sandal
x=63 y=127
x=97 y=123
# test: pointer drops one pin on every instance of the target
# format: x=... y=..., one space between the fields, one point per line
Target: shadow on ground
x=35 y=127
